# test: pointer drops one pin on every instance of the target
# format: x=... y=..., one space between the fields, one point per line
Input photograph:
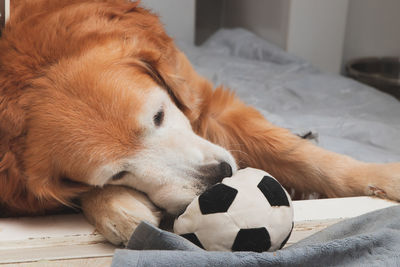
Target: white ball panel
x=250 y=209
x=280 y=225
x=217 y=232
x=189 y=220
x=245 y=178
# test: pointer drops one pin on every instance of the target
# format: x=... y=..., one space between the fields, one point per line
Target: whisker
x=233 y=150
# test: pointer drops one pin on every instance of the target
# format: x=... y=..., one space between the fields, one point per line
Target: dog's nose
x=215 y=173
x=225 y=169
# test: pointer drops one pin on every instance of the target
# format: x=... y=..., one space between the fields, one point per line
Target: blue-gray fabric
x=372 y=239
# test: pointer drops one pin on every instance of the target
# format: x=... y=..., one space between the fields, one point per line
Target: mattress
x=349 y=117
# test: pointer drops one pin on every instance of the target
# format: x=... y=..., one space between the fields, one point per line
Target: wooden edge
x=70 y=236
x=73 y=240
x=81 y=262
x=52 y=253
x=305 y=229
x=337 y=208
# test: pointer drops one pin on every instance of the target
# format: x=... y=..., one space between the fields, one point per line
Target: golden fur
x=52 y=56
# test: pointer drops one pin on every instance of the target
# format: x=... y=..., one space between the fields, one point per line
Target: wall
x=178 y=17
x=311 y=29
x=373 y=29
x=316 y=32
x=209 y=18
x=325 y=32
x=267 y=18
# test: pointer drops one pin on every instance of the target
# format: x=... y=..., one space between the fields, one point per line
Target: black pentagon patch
x=287 y=238
x=217 y=199
x=254 y=239
x=273 y=192
x=193 y=238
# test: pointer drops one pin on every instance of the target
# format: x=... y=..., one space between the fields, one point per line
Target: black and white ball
x=249 y=211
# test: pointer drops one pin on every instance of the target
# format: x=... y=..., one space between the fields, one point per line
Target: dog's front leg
x=116 y=211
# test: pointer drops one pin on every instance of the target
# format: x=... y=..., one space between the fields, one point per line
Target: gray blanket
x=372 y=239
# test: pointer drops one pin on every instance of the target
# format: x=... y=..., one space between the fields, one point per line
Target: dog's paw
x=384 y=181
x=116 y=212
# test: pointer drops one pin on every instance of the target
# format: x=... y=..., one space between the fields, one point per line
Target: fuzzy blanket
x=372 y=239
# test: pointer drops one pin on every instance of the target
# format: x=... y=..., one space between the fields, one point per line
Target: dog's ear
x=176 y=75
x=53 y=189
x=27 y=190
x=12 y=121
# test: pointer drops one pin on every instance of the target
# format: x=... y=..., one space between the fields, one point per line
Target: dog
x=98 y=104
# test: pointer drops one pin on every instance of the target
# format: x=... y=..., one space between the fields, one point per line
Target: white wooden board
x=312 y=216
x=68 y=239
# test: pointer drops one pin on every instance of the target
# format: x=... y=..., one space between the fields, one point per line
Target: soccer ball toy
x=249 y=211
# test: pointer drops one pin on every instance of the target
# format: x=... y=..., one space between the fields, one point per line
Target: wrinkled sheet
x=372 y=239
x=349 y=117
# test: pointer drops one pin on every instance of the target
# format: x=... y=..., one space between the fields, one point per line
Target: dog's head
x=119 y=113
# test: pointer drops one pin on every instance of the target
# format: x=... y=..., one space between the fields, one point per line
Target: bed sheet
x=349 y=117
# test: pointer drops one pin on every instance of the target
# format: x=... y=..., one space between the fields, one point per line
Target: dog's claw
x=375 y=191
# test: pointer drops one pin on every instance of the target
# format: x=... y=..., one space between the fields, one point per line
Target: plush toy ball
x=249 y=211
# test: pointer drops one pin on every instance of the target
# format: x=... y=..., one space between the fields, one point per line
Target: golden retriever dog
x=98 y=105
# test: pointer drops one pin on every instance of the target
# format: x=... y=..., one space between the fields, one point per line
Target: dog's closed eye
x=158 y=118
x=119 y=176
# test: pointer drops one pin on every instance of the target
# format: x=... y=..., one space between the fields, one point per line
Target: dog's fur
x=96 y=102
